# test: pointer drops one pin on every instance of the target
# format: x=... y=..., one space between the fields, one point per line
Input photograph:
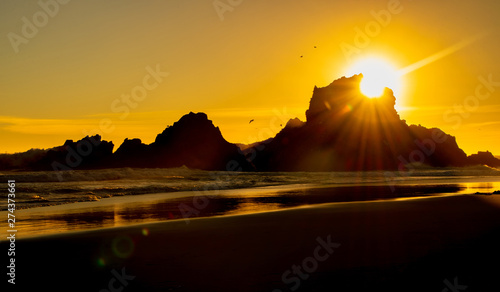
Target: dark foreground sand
x=400 y=245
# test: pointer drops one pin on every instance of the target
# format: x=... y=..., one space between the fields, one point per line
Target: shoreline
x=131 y=210
x=379 y=179
x=177 y=220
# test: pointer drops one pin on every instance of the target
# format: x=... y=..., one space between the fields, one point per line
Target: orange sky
x=67 y=67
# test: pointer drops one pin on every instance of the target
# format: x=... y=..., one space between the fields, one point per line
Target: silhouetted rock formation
x=193 y=141
x=21 y=160
x=485 y=158
x=131 y=153
x=347 y=131
x=344 y=131
x=88 y=152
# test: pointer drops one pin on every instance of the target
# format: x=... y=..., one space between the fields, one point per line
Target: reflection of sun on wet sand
x=384 y=245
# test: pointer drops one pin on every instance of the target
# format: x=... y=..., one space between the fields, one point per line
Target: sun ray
x=441 y=54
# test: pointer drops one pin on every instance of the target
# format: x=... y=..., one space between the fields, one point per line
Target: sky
x=128 y=69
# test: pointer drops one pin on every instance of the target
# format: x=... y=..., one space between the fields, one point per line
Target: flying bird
x=251 y=121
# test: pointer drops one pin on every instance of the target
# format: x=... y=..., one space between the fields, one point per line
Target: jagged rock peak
x=344 y=94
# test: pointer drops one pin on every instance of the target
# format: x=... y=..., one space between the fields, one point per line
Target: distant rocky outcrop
x=347 y=131
x=131 y=153
x=484 y=158
x=21 y=160
x=88 y=152
x=193 y=141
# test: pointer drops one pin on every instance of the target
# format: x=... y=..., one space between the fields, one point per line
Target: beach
x=424 y=243
x=250 y=146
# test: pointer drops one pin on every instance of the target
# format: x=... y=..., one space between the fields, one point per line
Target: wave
x=35 y=189
x=419 y=169
x=98 y=174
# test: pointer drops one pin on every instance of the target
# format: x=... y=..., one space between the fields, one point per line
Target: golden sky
x=69 y=68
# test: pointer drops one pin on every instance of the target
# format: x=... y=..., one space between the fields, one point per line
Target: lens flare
x=122 y=246
x=101 y=262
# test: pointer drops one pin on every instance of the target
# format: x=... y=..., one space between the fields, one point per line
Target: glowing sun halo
x=377 y=75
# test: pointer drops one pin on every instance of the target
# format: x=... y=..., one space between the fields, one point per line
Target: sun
x=377 y=75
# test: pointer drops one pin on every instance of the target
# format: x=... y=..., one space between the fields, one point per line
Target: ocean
x=87 y=199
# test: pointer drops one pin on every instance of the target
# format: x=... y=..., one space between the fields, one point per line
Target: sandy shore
x=138 y=209
x=397 y=245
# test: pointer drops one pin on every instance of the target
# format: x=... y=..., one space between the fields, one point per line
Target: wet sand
x=413 y=244
x=127 y=210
